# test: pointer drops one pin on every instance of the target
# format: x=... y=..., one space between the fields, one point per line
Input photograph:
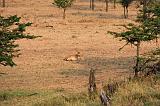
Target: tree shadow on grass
x=81 y=7
x=100 y=64
x=99 y=15
x=108 y=63
x=74 y=72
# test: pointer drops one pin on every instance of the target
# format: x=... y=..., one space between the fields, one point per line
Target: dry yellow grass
x=41 y=63
x=138 y=92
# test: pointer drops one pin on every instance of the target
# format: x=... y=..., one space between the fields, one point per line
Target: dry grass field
x=41 y=65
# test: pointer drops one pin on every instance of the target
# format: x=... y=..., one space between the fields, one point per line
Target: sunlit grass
x=57 y=97
x=132 y=92
x=138 y=92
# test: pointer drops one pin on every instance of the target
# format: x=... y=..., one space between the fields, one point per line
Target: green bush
x=64 y=4
x=11 y=30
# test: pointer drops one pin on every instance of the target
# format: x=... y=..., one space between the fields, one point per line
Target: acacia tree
x=148 y=29
x=125 y=4
x=150 y=62
x=135 y=35
x=11 y=30
x=64 y=4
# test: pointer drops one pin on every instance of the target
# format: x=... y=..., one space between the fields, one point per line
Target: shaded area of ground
x=101 y=65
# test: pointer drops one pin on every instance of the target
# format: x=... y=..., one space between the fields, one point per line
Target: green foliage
x=11 y=30
x=134 y=34
x=126 y=3
x=153 y=21
x=63 y=3
x=147 y=29
x=150 y=62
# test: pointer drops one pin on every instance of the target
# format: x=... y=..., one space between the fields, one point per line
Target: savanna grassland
x=43 y=78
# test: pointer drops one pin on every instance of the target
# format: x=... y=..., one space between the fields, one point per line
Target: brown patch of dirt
x=41 y=64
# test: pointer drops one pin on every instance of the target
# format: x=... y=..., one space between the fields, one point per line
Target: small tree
x=135 y=35
x=147 y=30
x=64 y=4
x=125 y=4
x=11 y=30
x=150 y=62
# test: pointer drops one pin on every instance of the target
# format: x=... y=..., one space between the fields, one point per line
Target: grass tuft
x=138 y=92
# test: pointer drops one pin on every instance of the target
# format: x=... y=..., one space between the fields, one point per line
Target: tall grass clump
x=138 y=92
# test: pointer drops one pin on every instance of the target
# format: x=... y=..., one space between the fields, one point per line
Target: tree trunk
x=127 y=12
x=64 y=13
x=92 y=4
x=3 y=3
x=137 y=60
x=106 y=5
x=114 y=4
x=124 y=12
